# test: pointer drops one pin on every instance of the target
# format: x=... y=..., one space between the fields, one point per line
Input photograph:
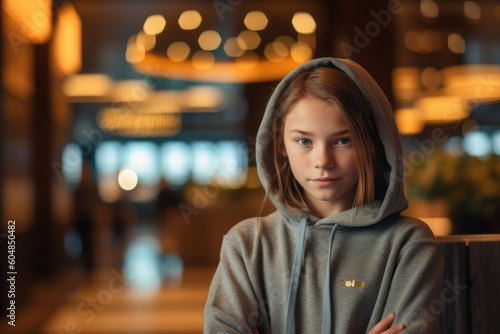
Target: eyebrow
x=307 y=133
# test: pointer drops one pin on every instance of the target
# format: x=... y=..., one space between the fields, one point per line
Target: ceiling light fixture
x=251 y=46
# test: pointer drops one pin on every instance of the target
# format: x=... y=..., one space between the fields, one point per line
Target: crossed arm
x=383 y=327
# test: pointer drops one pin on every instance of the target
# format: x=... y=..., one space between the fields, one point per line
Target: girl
x=336 y=256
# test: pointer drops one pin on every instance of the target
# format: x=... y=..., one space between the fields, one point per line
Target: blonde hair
x=331 y=85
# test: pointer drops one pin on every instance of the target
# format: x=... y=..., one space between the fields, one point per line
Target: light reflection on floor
x=109 y=305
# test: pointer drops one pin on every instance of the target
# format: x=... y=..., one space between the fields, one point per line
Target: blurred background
x=128 y=138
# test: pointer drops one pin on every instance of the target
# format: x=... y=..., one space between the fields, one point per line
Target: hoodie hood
x=394 y=200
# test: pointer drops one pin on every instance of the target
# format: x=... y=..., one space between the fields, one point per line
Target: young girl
x=336 y=256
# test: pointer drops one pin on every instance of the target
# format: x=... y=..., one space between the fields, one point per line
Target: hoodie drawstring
x=294 y=280
x=326 y=327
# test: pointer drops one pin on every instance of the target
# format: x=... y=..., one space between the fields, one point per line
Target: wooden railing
x=470 y=297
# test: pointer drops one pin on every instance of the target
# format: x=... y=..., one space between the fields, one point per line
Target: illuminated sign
x=126 y=122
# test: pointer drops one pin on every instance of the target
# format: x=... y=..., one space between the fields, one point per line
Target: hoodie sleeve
x=416 y=286
x=232 y=304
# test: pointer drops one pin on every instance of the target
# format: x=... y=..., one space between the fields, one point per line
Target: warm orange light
x=134 y=54
x=129 y=91
x=248 y=61
x=456 y=43
x=178 y=51
x=472 y=11
x=67 y=47
x=424 y=41
x=431 y=78
x=443 y=109
x=154 y=25
x=218 y=72
x=190 y=20
x=245 y=55
x=478 y=82
x=128 y=122
x=304 y=23
x=203 y=60
x=271 y=54
x=280 y=49
x=409 y=121
x=301 y=52
x=82 y=87
x=202 y=97
x=439 y=225
x=248 y=40
x=406 y=82
x=145 y=42
x=232 y=48
x=34 y=18
x=256 y=21
x=209 y=40
x=412 y=41
x=429 y=9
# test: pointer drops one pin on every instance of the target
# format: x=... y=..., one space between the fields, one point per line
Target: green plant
x=470 y=185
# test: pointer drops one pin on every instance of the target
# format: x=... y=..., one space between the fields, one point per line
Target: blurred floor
x=106 y=304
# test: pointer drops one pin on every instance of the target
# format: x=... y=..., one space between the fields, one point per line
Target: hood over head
x=394 y=199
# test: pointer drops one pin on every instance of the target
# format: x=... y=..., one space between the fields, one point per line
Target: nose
x=324 y=158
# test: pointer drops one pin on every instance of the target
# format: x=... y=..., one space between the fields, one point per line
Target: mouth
x=325 y=181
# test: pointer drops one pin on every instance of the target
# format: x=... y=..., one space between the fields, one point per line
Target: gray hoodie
x=289 y=272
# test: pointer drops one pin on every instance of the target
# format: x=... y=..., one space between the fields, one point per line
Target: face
x=321 y=155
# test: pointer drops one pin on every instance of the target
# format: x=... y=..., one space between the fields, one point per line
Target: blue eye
x=303 y=141
x=344 y=141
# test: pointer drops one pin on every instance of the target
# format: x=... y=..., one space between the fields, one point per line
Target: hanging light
x=429 y=9
x=190 y=20
x=245 y=49
x=472 y=11
x=154 y=24
x=33 y=19
x=474 y=82
x=67 y=45
x=443 y=109
x=409 y=121
x=256 y=20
